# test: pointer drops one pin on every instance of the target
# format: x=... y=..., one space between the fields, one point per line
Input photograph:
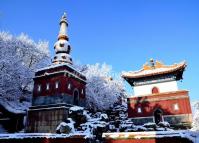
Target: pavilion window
x=176 y=107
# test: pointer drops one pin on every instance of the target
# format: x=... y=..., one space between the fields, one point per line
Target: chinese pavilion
x=156 y=95
x=56 y=88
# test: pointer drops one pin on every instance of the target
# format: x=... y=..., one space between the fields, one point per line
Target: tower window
x=39 y=88
x=69 y=48
x=155 y=90
x=57 y=85
x=69 y=86
x=139 y=110
x=61 y=45
x=47 y=86
x=82 y=92
x=63 y=57
x=176 y=107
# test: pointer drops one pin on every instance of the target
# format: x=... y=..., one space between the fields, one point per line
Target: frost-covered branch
x=102 y=91
x=195 y=110
x=20 y=56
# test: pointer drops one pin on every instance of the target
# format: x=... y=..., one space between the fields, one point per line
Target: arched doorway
x=76 y=97
x=158 y=116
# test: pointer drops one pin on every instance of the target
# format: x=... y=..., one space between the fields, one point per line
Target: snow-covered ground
x=191 y=135
x=39 y=135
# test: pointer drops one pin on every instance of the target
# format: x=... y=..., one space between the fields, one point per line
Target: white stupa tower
x=57 y=87
x=62 y=46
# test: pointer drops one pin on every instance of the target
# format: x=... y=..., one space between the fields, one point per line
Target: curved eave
x=177 y=69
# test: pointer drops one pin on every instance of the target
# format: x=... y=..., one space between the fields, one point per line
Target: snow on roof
x=14 y=106
x=59 y=65
x=155 y=68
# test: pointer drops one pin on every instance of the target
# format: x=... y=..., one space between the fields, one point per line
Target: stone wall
x=45 y=119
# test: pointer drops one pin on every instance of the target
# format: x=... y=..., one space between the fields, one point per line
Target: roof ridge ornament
x=153 y=64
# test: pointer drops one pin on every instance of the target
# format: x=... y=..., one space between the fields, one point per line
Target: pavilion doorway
x=158 y=116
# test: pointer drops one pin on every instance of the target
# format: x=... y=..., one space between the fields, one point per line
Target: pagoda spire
x=62 y=46
x=63 y=28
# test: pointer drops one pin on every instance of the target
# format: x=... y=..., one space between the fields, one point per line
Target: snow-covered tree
x=102 y=91
x=19 y=57
x=195 y=110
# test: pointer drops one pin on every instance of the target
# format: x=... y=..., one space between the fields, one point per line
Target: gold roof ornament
x=153 y=65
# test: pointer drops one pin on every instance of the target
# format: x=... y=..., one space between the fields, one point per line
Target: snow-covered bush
x=66 y=128
x=164 y=124
x=76 y=109
x=102 y=91
x=19 y=57
x=150 y=125
x=195 y=124
x=104 y=117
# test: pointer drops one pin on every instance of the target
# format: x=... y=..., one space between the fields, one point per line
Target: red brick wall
x=63 y=85
x=164 y=101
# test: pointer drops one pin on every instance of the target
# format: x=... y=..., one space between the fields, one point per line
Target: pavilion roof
x=154 y=68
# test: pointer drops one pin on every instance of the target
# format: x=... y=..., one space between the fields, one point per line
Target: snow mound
x=75 y=109
x=66 y=127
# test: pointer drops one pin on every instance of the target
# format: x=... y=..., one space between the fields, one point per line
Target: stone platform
x=45 y=119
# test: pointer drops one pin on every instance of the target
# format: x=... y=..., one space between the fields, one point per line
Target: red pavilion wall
x=163 y=101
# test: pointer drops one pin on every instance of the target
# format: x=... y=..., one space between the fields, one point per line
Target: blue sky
x=124 y=34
